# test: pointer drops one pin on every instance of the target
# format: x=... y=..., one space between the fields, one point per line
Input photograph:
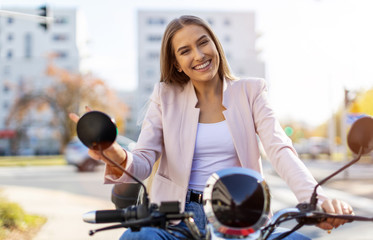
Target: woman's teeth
x=202 y=65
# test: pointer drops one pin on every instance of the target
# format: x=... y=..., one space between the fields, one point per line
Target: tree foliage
x=363 y=103
x=65 y=93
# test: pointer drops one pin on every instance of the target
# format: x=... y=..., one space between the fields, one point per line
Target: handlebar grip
x=120 y=215
x=107 y=216
x=104 y=216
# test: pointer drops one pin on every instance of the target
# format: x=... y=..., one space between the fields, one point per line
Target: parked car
x=313 y=147
x=76 y=153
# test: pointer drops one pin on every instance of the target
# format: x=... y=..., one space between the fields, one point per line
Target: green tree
x=66 y=93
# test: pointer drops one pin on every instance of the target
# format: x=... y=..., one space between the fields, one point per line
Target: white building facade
x=235 y=30
x=24 y=49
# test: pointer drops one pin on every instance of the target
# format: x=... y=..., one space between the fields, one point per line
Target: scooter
x=236 y=200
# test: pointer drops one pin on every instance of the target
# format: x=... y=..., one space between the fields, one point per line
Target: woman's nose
x=199 y=55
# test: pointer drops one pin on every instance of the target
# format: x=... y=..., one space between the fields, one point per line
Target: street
x=66 y=179
x=62 y=195
x=356 y=188
x=63 y=178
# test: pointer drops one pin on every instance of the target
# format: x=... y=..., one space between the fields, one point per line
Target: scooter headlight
x=236 y=201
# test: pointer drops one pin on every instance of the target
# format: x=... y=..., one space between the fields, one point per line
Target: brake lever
x=92 y=232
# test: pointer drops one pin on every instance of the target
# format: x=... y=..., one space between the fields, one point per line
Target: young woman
x=202 y=119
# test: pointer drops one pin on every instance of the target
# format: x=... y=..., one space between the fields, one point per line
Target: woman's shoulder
x=165 y=92
x=249 y=80
x=251 y=83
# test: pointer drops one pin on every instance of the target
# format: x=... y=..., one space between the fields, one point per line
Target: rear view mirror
x=96 y=130
x=361 y=135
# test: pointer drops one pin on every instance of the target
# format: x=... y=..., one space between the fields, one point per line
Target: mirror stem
x=145 y=196
x=314 y=199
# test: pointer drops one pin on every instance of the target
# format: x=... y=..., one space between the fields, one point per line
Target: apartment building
x=25 y=46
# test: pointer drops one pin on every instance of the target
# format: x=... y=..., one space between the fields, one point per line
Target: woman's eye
x=204 y=42
x=184 y=52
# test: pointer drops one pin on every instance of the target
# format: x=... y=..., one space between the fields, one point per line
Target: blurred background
x=57 y=57
x=315 y=56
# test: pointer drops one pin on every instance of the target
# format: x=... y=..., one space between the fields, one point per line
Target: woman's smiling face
x=196 y=53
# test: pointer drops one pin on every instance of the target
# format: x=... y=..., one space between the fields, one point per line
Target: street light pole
x=344 y=128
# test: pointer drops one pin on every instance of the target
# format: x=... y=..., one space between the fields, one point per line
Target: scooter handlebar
x=120 y=215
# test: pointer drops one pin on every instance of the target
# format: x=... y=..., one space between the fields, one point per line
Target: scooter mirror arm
x=145 y=195
x=314 y=199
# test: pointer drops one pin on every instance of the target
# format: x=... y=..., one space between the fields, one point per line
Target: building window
x=10 y=20
x=149 y=87
x=5 y=105
x=10 y=37
x=150 y=73
x=9 y=54
x=154 y=38
x=153 y=55
x=61 y=54
x=60 y=37
x=6 y=70
x=6 y=88
x=156 y=21
x=227 y=22
x=60 y=20
x=28 y=45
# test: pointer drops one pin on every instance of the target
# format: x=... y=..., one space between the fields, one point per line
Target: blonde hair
x=169 y=73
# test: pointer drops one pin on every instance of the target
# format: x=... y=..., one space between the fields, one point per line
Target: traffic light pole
x=344 y=129
x=37 y=18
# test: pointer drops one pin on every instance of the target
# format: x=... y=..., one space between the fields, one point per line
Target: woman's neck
x=208 y=90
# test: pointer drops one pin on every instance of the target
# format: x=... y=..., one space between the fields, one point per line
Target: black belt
x=194 y=197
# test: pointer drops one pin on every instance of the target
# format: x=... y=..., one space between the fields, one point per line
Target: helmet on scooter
x=236 y=201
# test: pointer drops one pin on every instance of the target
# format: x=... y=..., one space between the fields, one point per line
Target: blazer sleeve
x=149 y=146
x=279 y=148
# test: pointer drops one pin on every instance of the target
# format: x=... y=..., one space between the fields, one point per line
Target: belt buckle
x=199 y=198
x=196 y=197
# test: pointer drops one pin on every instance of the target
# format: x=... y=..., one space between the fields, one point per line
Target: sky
x=312 y=49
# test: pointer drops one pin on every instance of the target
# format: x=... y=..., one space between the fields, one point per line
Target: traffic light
x=43 y=12
x=289 y=131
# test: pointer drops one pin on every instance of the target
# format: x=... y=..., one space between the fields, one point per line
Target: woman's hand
x=115 y=152
x=337 y=207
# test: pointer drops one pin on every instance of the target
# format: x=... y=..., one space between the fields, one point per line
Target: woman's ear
x=177 y=66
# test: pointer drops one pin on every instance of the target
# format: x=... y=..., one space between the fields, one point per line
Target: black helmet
x=236 y=201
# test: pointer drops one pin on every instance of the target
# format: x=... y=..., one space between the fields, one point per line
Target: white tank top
x=214 y=150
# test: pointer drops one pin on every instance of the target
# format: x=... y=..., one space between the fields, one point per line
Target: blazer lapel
x=189 y=125
x=235 y=121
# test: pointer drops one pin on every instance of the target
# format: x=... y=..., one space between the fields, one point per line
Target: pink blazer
x=169 y=132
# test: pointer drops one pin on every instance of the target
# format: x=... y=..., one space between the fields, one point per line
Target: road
x=356 y=188
x=63 y=196
x=63 y=178
x=67 y=179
